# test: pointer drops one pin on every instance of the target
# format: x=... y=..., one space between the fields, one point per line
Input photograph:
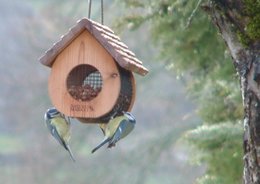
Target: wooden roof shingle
x=106 y=37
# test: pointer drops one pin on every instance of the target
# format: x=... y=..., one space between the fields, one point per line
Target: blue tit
x=103 y=125
x=116 y=129
x=59 y=128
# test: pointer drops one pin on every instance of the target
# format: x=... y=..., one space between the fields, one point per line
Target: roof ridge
x=105 y=36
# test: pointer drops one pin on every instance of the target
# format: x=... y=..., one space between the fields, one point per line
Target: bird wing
x=56 y=135
x=59 y=129
x=122 y=131
x=53 y=131
x=62 y=127
x=113 y=125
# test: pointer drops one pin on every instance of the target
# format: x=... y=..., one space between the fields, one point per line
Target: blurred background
x=169 y=108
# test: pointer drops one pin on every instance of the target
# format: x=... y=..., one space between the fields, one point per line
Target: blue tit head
x=51 y=113
x=130 y=117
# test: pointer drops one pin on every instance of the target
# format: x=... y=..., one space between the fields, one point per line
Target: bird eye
x=130 y=116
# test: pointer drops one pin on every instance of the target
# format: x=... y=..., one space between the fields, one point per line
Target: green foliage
x=218 y=146
x=219 y=101
x=243 y=38
x=252 y=27
x=197 y=50
x=252 y=7
x=209 y=179
x=212 y=137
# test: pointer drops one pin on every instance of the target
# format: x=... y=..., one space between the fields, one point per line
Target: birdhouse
x=91 y=73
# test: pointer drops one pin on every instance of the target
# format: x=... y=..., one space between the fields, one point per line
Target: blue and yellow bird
x=59 y=128
x=116 y=129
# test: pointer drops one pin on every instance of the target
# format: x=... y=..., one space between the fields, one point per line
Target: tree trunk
x=238 y=22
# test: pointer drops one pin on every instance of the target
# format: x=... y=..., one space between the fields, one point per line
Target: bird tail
x=100 y=145
x=70 y=152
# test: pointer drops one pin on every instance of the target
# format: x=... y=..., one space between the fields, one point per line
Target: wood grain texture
x=85 y=49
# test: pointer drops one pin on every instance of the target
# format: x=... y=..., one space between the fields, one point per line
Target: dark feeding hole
x=84 y=82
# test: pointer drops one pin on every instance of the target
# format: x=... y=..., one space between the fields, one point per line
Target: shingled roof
x=106 y=37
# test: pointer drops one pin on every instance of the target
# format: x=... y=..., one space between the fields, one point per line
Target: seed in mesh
x=83 y=93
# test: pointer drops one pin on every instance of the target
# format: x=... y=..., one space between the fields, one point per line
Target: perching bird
x=59 y=127
x=116 y=129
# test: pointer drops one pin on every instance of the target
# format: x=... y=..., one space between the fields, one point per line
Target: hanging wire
x=89 y=8
x=102 y=12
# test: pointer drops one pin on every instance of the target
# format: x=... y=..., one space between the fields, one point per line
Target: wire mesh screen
x=94 y=80
x=124 y=101
x=84 y=82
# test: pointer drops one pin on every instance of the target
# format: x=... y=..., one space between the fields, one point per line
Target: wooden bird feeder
x=91 y=73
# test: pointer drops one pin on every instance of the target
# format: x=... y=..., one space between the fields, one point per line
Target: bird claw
x=111 y=145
